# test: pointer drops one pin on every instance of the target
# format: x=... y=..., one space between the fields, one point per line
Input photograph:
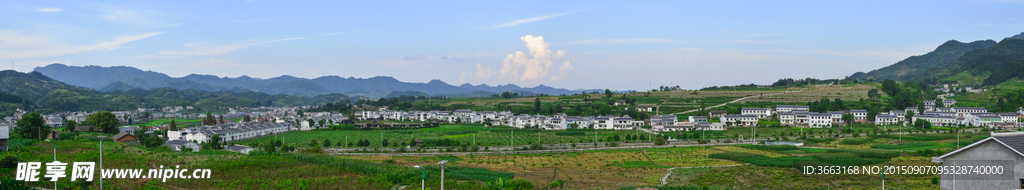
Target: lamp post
x=423 y=177
x=442 y=172
x=54 y=141
x=101 y=159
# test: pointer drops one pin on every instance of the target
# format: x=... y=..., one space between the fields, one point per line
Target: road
x=665 y=178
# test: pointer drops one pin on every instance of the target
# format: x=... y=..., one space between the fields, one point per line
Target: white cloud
x=519 y=67
x=483 y=72
x=50 y=10
x=528 y=20
x=331 y=34
x=415 y=57
x=563 y=71
x=200 y=49
x=462 y=77
x=14 y=45
x=137 y=17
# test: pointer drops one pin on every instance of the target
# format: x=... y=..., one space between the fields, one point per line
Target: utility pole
x=101 y=159
x=442 y=172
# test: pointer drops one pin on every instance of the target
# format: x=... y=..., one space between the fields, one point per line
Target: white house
x=761 y=113
x=886 y=119
x=820 y=120
x=739 y=120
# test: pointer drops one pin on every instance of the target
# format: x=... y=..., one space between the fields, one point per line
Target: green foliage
x=769 y=147
x=31 y=126
x=820 y=140
x=570 y=133
x=919 y=136
x=856 y=141
x=638 y=164
x=869 y=153
x=105 y=121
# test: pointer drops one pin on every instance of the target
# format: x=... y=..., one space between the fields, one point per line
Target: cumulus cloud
x=482 y=72
x=562 y=71
x=524 y=67
x=14 y=45
x=50 y=10
x=462 y=77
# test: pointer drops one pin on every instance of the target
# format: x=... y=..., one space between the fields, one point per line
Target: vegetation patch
x=638 y=164
x=856 y=141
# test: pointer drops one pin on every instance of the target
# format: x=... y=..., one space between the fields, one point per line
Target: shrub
x=820 y=140
x=856 y=141
x=769 y=147
x=869 y=152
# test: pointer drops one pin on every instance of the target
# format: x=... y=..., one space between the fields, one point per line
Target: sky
x=619 y=45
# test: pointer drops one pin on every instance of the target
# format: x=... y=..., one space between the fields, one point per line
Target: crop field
x=605 y=169
x=228 y=170
x=812 y=93
x=463 y=134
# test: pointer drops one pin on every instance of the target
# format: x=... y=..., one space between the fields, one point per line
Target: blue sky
x=565 y=44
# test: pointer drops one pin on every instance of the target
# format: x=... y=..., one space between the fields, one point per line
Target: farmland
x=463 y=134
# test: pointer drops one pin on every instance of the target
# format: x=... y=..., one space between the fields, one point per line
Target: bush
x=769 y=147
x=820 y=140
x=856 y=141
x=899 y=146
x=570 y=133
x=869 y=152
x=845 y=159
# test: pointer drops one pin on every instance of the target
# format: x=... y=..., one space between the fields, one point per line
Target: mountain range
x=125 y=78
x=978 y=63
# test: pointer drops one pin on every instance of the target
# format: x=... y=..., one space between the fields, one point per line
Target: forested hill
x=36 y=92
x=986 y=66
x=913 y=65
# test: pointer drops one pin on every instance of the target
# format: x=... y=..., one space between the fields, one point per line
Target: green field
x=463 y=134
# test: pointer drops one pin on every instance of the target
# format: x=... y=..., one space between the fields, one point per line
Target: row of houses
x=229 y=132
x=558 y=121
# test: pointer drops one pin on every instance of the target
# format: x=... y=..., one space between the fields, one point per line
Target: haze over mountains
x=125 y=78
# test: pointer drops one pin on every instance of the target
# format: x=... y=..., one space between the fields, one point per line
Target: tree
x=327 y=142
x=920 y=108
x=208 y=120
x=31 y=126
x=174 y=127
x=536 y=105
x=909 y=116
x=384 y=142
x=848 y=118
x=246 y=118
x=71 y=125
x=313 y=143
x=889 y=87
x=939 y=103
x=873 y=94
x=608 y=93
x=221 y=119
x=105 y=121
x=215 y=142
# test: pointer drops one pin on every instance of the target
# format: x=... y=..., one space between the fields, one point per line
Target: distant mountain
x=1018 y=36
x=96 y=77
x=941 y=56
x=124 y=78
x=46 y=95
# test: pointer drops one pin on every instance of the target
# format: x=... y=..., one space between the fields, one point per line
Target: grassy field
x=464 y=134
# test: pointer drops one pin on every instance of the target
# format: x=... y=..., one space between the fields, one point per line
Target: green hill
x=985 y=66
x=913 y=65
